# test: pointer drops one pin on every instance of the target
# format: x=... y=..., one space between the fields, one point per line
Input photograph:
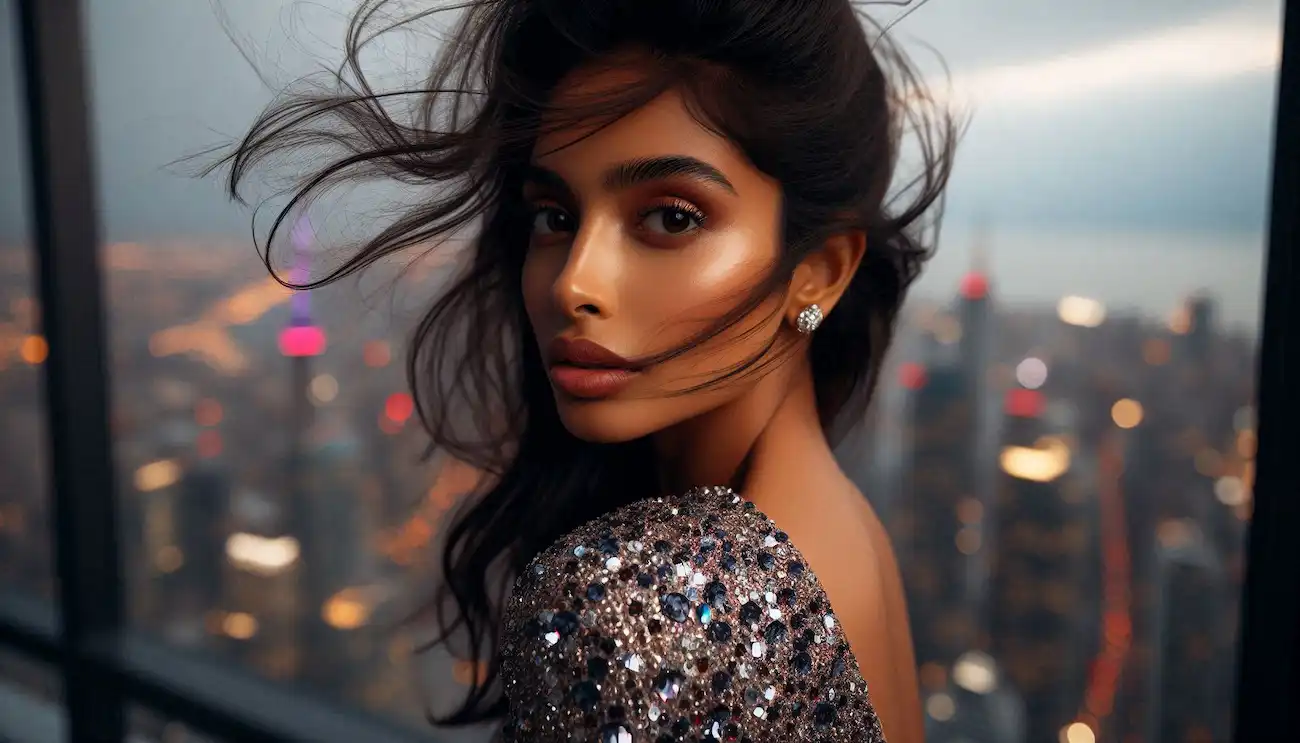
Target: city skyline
x=1062 y=443
x=1058 y=401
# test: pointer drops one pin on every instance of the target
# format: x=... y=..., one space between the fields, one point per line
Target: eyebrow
x=625 y=175
x=634 y=172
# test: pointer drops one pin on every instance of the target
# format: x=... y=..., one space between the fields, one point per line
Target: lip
x=585 y=369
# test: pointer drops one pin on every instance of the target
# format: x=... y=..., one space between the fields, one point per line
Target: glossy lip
x=585 y=369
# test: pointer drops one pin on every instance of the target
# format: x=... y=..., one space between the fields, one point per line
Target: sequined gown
x=690 y=618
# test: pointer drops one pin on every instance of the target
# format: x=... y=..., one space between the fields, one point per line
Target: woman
x=686 y=266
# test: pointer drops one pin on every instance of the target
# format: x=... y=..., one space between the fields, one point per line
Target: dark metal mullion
x=1268 y=680
x=76 y=381
x=221 y=699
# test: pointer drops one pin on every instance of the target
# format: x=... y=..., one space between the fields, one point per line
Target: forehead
x=664 y=126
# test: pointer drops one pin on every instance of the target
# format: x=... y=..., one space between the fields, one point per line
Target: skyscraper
x=1191 y=671
x=936 y=526
x=301 y=341
x=939 y=526
x=202 y=525
x=1045 y=574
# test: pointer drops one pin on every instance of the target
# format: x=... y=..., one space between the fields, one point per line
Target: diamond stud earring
x=808 y=320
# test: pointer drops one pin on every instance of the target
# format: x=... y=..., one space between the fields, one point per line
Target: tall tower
x=975 y=313
x=1201 y=315
x=201 y=522
x=1191 y=671
x=940 y=525
x=1045 y=575
x=301 y=341
x=935 y=526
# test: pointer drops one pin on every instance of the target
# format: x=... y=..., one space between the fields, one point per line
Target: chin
x=603 y=421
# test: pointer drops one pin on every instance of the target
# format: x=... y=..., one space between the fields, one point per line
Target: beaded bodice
x=678 y=619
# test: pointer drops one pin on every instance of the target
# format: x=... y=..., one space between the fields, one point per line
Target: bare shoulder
x=857 y=567
x=853 y=559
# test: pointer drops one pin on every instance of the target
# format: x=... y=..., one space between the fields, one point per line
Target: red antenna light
x=399 y=407
x=912 y=375
x=302 y=340
x=974 y=286
x=1023 y=403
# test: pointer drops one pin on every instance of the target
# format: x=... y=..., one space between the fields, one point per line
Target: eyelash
x=680 y=205
x=675 y=204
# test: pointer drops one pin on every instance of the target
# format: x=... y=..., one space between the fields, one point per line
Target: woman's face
x=644 y=234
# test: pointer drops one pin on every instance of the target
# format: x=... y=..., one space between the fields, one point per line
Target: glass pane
x=25 y=548
x=1064 y=440
x=29 y=701
x=293 y=573
x=1062 y=449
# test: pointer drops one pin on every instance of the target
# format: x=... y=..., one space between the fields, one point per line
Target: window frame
x=105 y=666
x=1268 y=660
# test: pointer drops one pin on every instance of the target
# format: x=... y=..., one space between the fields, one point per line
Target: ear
x=822 y=277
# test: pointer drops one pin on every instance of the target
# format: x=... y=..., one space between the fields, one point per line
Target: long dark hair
x=812 y=91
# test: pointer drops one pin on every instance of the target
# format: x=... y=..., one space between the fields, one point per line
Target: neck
x=750 y=440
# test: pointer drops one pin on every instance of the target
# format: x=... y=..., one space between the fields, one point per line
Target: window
x=269 y=494
x=25 y=552
x=1064 y=447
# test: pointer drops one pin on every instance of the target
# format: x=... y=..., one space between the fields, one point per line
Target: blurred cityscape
x=1068 y=490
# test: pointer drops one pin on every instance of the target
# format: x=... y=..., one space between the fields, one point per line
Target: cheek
x=719 y=276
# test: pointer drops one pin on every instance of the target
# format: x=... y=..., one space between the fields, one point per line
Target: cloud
x=1212 y=49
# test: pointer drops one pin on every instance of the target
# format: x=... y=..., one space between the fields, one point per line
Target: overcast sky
x=1152 y=114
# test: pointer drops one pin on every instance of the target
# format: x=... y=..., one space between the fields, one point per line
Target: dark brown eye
x=671 y=220
x=550 y=221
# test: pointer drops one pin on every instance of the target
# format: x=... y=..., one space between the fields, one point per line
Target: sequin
x=675 y=606
x=615 y=733
x=685 y=618
x=774 y=633
x=720 y=632
x=837 y=667
x=586 y=695
x=802 y=663
x=824 y=715
x=721 y=681
x=668 y=684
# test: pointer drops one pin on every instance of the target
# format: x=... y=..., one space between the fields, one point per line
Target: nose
x=585 y=286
